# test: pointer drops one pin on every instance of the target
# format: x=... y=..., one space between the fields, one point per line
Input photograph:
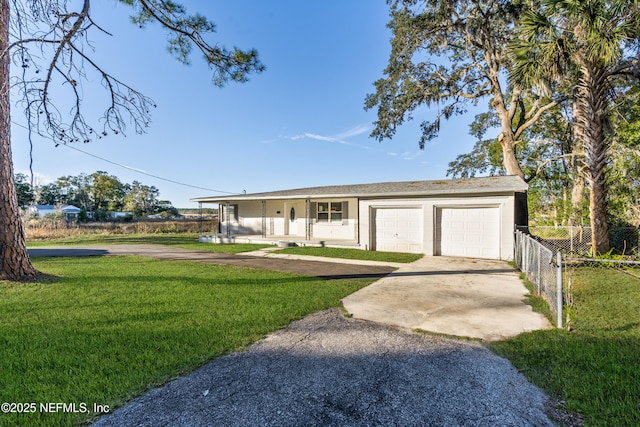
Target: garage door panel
x=469 y=232
x=398 y=230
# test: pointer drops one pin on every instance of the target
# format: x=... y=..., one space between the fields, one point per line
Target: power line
x=134 y=169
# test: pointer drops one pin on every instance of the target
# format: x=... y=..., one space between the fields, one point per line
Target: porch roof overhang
x=486 y=185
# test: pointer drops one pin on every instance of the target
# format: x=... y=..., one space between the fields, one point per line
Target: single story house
x=472 y=217
x=69 y=212
x=119 y=215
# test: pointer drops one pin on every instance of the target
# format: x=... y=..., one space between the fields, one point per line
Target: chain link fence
x=550 y=255
x=575 y=266
x=542 y=267
x=576 y=241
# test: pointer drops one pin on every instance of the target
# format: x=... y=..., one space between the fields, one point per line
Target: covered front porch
x=289 y=222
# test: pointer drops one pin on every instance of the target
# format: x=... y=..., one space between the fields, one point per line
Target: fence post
x=571 y=239
x=539 y=272
x=525 y=256
x=559 y=290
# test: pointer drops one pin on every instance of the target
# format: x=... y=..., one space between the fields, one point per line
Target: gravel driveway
x=328 y=370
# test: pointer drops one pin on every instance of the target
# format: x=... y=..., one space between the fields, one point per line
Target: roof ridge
x=385 y=189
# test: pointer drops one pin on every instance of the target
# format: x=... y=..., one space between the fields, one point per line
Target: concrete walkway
x=454 y=296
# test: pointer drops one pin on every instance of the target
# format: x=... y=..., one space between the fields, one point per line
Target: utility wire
x=133 y=169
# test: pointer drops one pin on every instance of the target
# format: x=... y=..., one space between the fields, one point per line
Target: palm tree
x=589 y=49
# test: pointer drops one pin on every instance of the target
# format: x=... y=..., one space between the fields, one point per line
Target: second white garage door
x=469 y=232
x=398 y=230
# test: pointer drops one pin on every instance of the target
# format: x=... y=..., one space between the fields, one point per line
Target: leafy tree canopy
x=95 y=192
x=447 y=55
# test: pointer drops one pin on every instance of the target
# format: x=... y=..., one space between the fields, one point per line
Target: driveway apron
x=454 y=296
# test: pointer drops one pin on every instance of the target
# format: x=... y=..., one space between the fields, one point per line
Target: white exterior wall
x=357 y=224
x=429 y=206
x=345 y=230
x=278 y=220
x=249 y=219
x=275 y=218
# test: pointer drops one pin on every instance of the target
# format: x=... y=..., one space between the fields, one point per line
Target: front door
x=293 y=222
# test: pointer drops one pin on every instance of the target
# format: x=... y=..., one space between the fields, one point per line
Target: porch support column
x=264 y=218
x=307 y=220
x=227 y=218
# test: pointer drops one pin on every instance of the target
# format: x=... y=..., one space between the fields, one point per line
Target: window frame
x=334 y=212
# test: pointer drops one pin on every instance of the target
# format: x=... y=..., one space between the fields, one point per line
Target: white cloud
x=314 y=136
x=339 y=138
x=410 y=155
x=270 y=141
x=358 y=130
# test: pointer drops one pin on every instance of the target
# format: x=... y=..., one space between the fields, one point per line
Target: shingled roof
x=493 y=184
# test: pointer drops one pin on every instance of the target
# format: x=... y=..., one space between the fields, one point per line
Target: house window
x=330 y=211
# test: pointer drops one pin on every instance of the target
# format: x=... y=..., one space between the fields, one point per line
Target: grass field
x=594 y=368
x=101 y=330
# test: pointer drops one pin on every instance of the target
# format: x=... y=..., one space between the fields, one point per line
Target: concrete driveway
x=454 y=296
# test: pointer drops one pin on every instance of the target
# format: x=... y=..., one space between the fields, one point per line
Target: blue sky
x=300 y=123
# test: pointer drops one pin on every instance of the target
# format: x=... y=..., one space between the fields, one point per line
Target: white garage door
x=398 y=230
x=469 y=232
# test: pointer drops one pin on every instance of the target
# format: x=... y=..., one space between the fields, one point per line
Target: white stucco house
x=472 y=217
x=69 y=212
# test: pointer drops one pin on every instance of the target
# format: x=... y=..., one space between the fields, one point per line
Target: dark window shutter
x=313 y=212
x=345 y=213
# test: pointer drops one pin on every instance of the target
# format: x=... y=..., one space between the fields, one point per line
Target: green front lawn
x=102 y=330
x=175 y=239
x=182 y=240
x=594 y=368
x=190 y=241
x=348 y=253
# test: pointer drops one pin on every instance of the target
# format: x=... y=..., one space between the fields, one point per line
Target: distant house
x=471 y=217
x=120 y=215
x=69 y=212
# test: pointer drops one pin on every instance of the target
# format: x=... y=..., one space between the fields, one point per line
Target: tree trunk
x=15 y=263
x=509 y=160
x=577 y=166
x=507 y=137
x=577 y=197
x=592 y=98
